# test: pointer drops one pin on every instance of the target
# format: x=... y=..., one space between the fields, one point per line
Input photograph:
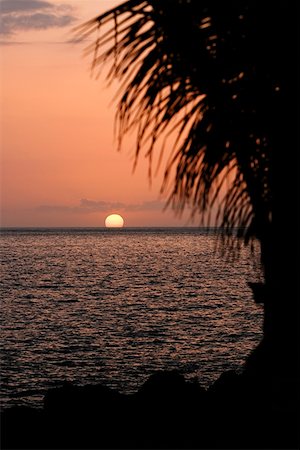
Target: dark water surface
x=112 y=306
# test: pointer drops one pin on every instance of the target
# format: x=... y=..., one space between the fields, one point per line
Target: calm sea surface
x=112 y=306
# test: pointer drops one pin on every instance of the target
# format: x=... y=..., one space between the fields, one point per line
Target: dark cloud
x=36 y=21
x=100 y=205
x=12 y=6
x=91 y=206
x=19 y=15
x=146 y=206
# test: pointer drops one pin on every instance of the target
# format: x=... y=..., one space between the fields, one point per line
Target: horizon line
x=109 y=228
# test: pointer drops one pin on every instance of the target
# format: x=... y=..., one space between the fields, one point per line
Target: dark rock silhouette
x=237 y=411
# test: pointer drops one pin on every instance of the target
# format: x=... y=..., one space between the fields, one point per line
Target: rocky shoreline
x=238 y=411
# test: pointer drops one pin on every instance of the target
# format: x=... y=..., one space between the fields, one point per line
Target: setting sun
x=114 y=221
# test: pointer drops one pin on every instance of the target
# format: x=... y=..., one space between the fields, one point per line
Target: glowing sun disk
x=114 y=221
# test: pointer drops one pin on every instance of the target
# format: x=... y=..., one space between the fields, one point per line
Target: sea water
x=112 y=306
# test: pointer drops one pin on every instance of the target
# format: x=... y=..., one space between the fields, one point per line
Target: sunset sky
x=60 y=165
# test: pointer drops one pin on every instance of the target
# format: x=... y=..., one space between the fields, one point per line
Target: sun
x=114 y=221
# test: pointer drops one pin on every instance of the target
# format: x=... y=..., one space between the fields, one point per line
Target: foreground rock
x=237 y=411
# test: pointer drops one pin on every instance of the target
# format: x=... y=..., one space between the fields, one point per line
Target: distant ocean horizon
x=102 y=227
x=111 y=306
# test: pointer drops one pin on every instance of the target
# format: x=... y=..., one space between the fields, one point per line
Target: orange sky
x=60 y=166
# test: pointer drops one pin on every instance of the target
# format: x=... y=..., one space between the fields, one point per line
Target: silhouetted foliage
x=217 y=74
x=209 y=71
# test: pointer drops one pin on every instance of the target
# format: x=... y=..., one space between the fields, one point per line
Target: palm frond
x=196 y=69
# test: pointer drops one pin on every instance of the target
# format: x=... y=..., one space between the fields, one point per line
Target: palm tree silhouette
x=213 y=73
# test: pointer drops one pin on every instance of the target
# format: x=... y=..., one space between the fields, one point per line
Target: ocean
x=112 y=306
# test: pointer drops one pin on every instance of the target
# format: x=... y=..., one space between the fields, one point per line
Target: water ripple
x=99 y=307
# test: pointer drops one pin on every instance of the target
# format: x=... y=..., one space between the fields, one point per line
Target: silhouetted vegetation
x=210 y=72
x=216 y=73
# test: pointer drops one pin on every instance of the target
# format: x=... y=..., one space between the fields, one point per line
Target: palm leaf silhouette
x=206 y=71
